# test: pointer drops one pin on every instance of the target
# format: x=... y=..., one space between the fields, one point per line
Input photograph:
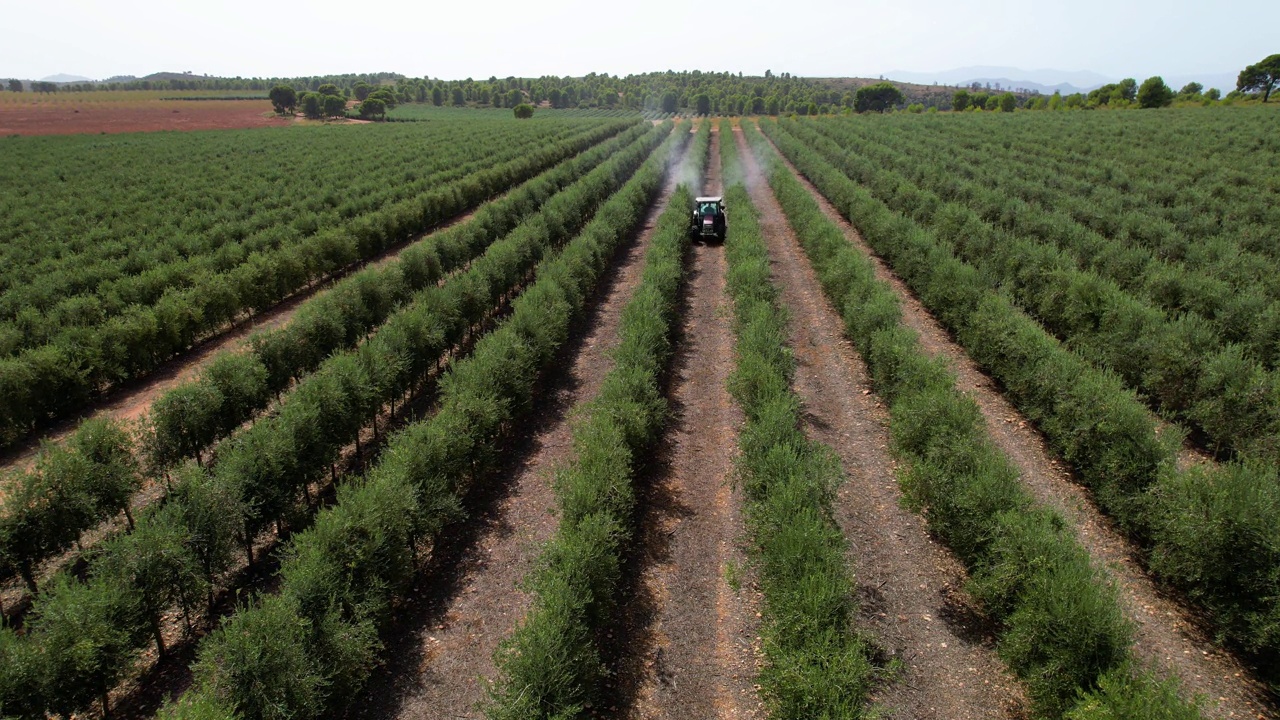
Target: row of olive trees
x=308 y=648
x=82 y=636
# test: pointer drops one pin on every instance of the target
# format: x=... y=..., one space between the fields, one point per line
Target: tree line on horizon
x=722 y=93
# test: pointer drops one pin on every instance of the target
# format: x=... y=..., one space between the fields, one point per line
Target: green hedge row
x=52 y=381
x=1181 y=364
x=71 y=487
x=190 y=418
x=1130 y=244
x=816 y=664
x=307 y=650
x=1062 y=630
x=46 y=512
x=551 y=667
x=1214 y=532
x=182 y=548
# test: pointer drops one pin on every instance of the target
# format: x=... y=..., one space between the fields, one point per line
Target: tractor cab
x=709 y=221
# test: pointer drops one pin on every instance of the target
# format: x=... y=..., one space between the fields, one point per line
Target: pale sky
x=480 y=38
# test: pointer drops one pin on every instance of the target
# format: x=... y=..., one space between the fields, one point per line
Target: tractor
x=709 y=222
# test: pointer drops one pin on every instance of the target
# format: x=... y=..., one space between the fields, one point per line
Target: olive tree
x=88 y=633
x=156 y=561
x=213 y=516
x=524 y=111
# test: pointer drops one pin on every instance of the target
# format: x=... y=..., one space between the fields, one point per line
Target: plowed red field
x=37 y=118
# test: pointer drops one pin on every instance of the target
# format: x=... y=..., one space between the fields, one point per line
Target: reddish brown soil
x=452 y=664
x=1168 y=637
x=911 y=588
x=38 y=118
x=691 y=637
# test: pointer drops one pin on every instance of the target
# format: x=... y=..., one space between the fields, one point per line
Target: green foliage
x=1261 y=77
x=334 y=106
x=283 y=98
x=960 y=100
x=312 y=105
x=196 y=705
x=551 y=666
x=1154 y=93
x=142 y=320
x=1008 y=102
x=523 y=111
x=71 y=488
x=20 y=674
x=1063 y=631
x=88 y=635
x=878 y=97
x=157 y=564
x=1064 y=627
x=339 y=577
x=373 y=108
x=815 y=665
x=187 y=542
x=1215 y=535
x=259 y=662
x=1191 y=89
x=1128 y=694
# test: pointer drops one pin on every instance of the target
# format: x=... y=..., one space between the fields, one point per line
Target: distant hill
x=1047 y=81
x=65 y=78
x=176 y=76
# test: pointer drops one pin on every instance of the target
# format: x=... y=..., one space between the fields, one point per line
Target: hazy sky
x=479 y=38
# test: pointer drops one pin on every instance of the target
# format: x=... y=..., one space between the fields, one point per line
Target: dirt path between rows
x=691 y=637
x=911 y=588
x=453 y=642
x=131 y=400
x=1167 y=636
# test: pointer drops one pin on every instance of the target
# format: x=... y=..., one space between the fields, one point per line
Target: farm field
x=87 y=311
x=970 y=416
x=73 y=116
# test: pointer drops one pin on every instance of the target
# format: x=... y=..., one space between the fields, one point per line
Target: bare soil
x=1168 y=637
x=99 y=117
x=911 y=588
x=689 y=638
x=443 y=661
